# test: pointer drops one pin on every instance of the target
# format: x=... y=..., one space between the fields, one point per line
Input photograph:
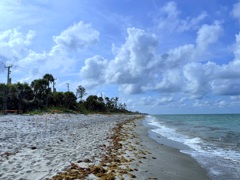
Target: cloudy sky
x=156 y=56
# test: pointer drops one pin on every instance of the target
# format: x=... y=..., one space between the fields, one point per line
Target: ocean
x=213 y=140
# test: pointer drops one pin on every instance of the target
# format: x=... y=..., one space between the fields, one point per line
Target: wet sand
x=155 y=161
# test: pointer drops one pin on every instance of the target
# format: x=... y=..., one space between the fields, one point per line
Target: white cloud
x=197 y=77
x=145 y=101
x=163 y=101
x=236 y=11
x=151 y=101
x=179 y=56
x=134 y=61
x=169 y=19
x=131 y=88
x=15 y=47
x=210 y=78
x=94 y=69
x=171 y=82
x=237 y=47
x=14 y=44
x=229 y=71
x=226 y=78
x=208 y=34
x=137 y=67
x=191 y=23
x=201 y=103
x=78 y=36
x=13 y=37
x=132 y=65
x=222 y=104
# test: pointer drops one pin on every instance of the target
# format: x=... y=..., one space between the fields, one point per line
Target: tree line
x=39 y=95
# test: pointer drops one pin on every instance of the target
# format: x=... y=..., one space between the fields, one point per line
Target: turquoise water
x=213 y=140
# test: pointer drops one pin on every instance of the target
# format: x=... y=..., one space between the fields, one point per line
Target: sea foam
x=220 y=162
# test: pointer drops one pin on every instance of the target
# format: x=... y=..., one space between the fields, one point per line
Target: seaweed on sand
x=113 y=163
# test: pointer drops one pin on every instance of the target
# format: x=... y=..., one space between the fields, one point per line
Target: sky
x=158 y=57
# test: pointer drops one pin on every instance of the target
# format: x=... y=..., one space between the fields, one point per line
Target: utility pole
x=54 y=89
x=9 y=72
x=68 y=86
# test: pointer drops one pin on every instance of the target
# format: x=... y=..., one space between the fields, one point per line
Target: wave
x=218 y=161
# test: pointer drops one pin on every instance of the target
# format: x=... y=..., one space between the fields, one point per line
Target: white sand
x=40 y=146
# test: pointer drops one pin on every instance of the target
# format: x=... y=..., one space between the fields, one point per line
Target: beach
x=158 y=161
x=58 y=146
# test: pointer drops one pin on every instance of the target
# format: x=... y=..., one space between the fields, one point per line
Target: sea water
x=213 y=140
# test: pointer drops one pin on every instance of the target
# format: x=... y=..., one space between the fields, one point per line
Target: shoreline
x=134 y=155
x=164 y=162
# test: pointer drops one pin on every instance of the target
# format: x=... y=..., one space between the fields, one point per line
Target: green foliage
x=58 y=99
x=69 y=100
x=94 y=103
x=38 y=97
x=49 y=78
x=82 y=108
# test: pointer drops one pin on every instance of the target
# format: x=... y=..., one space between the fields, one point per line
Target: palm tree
x=49 y=78
x=40 y=89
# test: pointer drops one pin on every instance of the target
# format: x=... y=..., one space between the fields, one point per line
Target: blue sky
x=156 y=56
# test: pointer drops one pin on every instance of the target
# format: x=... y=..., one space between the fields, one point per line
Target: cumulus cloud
x=78 y=36
x=132 y=65
x=14 y=44
x=197 y=78
x=135 y=88
x=227 y=76
x=138 y=67
x=94 y=68
x=170 y=82
x=134 y=58
x=179 y=56
x=15 y=47
x=208 y=34
x=169 y=19
x=204 y=78
x=134 y=61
